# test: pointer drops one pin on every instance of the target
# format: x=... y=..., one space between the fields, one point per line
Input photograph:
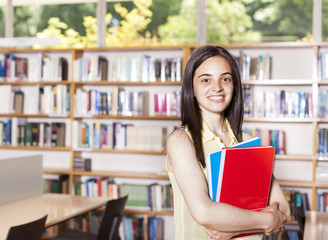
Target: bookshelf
x=294 y=67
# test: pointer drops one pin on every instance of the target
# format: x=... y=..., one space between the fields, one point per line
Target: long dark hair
x=190 y=112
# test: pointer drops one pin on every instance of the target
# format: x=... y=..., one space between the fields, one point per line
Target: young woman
x=212 y=117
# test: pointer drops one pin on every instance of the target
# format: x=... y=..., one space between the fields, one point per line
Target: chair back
x=111 y=219
x=31 y=230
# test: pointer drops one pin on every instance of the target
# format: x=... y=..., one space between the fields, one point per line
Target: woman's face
x=213 y=85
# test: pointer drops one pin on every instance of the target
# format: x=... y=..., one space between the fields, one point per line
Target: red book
x=156 y=96
x=164 y=104
x=245 y=176
x=99 y=187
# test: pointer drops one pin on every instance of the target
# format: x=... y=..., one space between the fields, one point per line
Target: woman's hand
x=216 y=235
x=277 y=221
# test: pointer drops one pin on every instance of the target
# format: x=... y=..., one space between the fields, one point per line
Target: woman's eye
x=226 y=79
x=205 y=80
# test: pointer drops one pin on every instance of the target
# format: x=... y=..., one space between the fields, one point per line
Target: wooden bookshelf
x=22 y=115
x=129 y=151
x=296 y=183
x=135 y=211
x=56 y=171
x=296 y=157
x=124 y=175
x=19 y=83
x=323 y=82
x=37 y=148
x=322 y=120
x=128 y=117
x=302 y=74
x=105 y=83
x=280 y=120
x=279 y=82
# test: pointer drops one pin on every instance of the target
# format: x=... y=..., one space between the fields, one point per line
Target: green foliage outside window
x=171 y=22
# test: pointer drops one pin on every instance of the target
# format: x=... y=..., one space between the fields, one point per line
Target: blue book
x=213 y=164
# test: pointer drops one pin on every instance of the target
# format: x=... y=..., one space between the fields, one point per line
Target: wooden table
x=59 y=207
x=316 y=226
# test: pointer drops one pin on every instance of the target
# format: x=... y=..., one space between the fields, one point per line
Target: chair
x=109 y=225
x=31 y=230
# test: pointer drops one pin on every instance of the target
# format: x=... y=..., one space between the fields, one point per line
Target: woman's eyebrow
x=226 y=73
x=207 y=74
x=204 y=75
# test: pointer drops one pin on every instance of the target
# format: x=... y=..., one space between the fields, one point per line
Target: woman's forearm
x=220 y=216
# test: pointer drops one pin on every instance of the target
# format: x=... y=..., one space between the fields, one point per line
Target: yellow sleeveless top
x=185 y=227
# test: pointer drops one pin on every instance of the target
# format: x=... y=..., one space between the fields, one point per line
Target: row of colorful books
x=88 y=222
x=254 y=67
x=270 y=137
x=322 y=202
x=93 y=68
x=167 y=104
x=143 y=68
x=274 y=104
x=82 y=164
x=52 y=100
x=133 y=228
x=322 y=142
x=56 y=184
x=156 y=197
x=20 y=132
x=118 y=101
x=298 y=202
x=119 y=136
x=39 y=68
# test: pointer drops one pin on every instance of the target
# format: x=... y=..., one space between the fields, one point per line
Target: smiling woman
x=213 y=85
x=212 y=116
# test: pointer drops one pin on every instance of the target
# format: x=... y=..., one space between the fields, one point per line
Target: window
x=144 y=22
x=66 y=21
x=325 y=20
x=168 y=22
x=258 y=21
x=71 y=14
x=2 y=21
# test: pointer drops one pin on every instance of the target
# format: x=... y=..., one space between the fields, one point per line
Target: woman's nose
x=218 y=85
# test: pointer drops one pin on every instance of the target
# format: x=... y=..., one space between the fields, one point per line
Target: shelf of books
x=91 y=114
x=285 y=93
x=120 y=127
x=102 y=115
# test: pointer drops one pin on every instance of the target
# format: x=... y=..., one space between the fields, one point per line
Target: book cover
x=8 y=132
x=35 y=134
x=213 y=164
x=245 y=176
x=60 y=141
x=18 y=101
